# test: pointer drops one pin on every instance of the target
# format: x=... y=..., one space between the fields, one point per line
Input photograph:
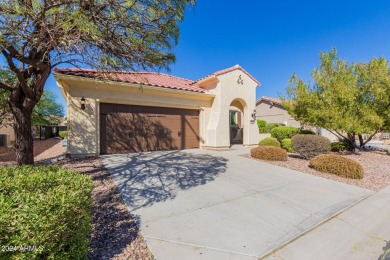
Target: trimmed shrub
x=287 y=145
x=269 y=153
x=306 y=132
x=63 y=134
x=339 y=165
x=338 y=147
x=261 y=124
x=269 y=141
x=309 y=146
x=271 y=126
x=46 y=207
x=283 y=132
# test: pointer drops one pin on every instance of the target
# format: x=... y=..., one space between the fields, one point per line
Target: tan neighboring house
x=48 y=132
x=120 y=112
x=271 y=110
x=9 y=132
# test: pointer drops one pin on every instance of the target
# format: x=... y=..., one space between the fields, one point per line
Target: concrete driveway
x=200 y=204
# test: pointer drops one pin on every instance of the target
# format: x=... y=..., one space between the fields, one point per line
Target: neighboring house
x=43 y=131
x=9 y=132
x=271 y=110
x=118 y=112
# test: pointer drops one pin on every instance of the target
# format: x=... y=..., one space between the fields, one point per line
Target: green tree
x=347 y=99
x=47 y=111
x=37 y=35
x=7 y=76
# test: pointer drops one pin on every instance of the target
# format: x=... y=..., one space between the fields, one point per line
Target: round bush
x=309 y=146
x=269 y=141
x=283 y=132
x=269 y=153
x=271 y=126
x=339 y=165
x=46 y=207
x=287 y=145
x=338 y=147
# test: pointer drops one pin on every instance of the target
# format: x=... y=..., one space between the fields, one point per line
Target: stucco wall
x=274 y=114
x=326 y=133
x=228 y=90
x=84 y=125
x=8 y=130
x=222 y=92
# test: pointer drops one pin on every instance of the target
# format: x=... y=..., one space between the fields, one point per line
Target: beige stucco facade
x=9 y=131
x=274 y=113
x=221 y=93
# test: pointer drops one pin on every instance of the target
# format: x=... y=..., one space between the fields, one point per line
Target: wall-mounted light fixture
x=82 y=103
x=254 y=114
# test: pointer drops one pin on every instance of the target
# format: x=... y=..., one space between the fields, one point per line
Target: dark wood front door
x=125 y=128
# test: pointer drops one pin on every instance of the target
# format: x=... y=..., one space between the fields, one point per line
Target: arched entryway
x=236 y=121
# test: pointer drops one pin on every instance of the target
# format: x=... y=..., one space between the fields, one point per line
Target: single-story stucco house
x=270 y=109
x=118 y=112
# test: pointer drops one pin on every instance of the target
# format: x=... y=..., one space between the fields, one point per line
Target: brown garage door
x=125 y=128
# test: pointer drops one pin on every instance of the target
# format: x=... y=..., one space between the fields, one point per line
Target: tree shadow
x=115 y=231
x=386 y=252
x=147 y=178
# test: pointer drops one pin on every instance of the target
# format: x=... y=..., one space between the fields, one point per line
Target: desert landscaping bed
x=115 y=233
x=376 y=166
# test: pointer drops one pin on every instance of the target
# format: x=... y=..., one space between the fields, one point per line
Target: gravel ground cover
x=115 y=233
x=376 y=166
x=43 y=149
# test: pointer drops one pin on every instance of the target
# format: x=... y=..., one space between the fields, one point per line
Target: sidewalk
x=361 y=232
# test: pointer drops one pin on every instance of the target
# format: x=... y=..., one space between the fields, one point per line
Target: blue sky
x=273 y=39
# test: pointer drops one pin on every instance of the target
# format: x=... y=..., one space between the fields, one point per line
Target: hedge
x=306 y=132
x=270 y=126
x=339 y=165
x=261 y=124
x=269 y=153
x=309 y=146
x=48 y=208
x=269 y=141
x=283 y=132
x=287 y=145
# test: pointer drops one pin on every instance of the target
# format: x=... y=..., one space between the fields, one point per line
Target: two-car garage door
x=125 y=128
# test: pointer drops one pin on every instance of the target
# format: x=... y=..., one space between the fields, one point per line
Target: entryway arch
x=237 y=114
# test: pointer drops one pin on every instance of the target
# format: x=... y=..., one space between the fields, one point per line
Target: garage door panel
x=136 y=129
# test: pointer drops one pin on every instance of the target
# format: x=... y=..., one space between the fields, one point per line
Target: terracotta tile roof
x=147 y=78
x=269 y=99
x=221 y=72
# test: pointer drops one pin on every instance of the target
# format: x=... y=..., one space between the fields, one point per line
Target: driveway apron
x=201 y=204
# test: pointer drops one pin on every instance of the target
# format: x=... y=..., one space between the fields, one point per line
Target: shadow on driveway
x=147 y=178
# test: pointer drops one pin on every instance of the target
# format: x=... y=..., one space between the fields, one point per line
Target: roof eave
x=62 y=77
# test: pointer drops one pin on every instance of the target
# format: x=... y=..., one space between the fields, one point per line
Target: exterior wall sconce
x=254 y=114
x=82 y=103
